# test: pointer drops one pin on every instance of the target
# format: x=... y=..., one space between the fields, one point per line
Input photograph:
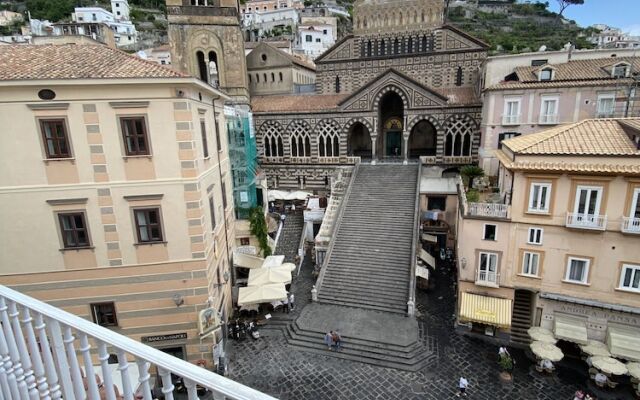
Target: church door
x=394 y=144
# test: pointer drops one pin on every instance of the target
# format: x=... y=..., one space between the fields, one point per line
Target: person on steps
x=328 y=339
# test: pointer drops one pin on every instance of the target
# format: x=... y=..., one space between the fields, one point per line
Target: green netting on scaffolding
x=243 y=157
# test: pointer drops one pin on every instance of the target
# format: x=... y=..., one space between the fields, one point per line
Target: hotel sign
x=164 y=338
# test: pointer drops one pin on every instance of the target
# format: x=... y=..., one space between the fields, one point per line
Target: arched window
x=369 y=48
x=273 y=77
x=271 y=133
x=337 y=84
x=280 y=73
x=423 y=16
x=249 y=78
x=202 y=67
x=264 y=75
x=459 y=77
x=458 y=136
x=300 y=140
x=424 y=44
x=410 y=45
x=396 y=46
x=328 y=139
x=383 y=47
x=258 y=78
x=401 y=19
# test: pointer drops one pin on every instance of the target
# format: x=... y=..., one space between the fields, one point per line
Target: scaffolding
x=244 y=160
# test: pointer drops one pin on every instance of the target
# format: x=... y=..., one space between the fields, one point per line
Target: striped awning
x=486 y=310
x=623 y=342
x=570 y=329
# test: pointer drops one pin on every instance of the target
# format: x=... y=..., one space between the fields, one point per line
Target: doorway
x=393 y=144
x=392 y=125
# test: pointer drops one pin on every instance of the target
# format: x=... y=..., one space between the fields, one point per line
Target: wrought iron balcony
x=487 y=278
x=630 y=225
x=586 y=221
x=492 y=210
x=47 y=351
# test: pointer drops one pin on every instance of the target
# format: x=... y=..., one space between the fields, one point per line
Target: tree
x=52 y=10
x=566 y=3
x=471 y=171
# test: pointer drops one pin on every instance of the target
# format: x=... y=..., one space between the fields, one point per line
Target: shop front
x=487 y=315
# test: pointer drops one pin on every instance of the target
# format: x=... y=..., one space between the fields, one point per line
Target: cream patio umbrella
x=634 y=369
x=541 y=335
x=261 y=294
x=267 y=276
x=595 y=348
x=609 y=365
x=289 y=266
x=546 y=351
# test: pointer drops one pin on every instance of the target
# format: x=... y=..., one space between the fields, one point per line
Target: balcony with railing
x=491 y=210
x=548 y=119
x=487 y=278
x=510 y=119
x=586 y=221
x=631 y=225
x=46 y=353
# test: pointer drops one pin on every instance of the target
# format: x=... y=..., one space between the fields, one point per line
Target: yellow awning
x=571 y=329
x=487 y=310
x=623 y=342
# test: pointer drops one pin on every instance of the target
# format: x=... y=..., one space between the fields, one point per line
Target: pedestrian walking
x=282 y=218
x=462 y=386
x=337 y=340
x=285 y=302
x=502 y=352
x=291 y=301
x=328 y=339
x=293 y=207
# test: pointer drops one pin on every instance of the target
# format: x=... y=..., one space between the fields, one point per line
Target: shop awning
x=422 y=272
x=285 y=195
x=261 y=294
x=429 y=238
x=623 y=342
x=570 y=329
x=247 y=261
x=484 y=309
x=427 y=258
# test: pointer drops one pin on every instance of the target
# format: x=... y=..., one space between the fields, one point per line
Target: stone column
x=405 y=147
x=374 y=157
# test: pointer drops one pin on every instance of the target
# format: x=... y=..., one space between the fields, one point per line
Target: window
x=511 y=112
x=505 y=136
x=539 y=197
x=74 y=230
x=94 y=17
x=134 y=132
x=546 y=74
x=337 y=84
x=538 y=63
x=54 y=136
x=218 y=143
x=324 y=31
x=203 y=133
x=577 y=270
x=280 y=74
x=535 y=236
x=244 y=242
x=224 y=196
x=437 y=203
x=318 y=40
x=489 y=232
x=148 y=225
x=606 y=105
x=635 y=204
x=104 y=314
x=308 y=38
x=488 y=268
x=630 y=277
x=530 y=263
x=620 y=71
x=588 y=200
x=549 y=110
x=212 y=211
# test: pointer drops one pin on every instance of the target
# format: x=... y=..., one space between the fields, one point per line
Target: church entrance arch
x=422 y=141
x=359 y=141
x=391 y=117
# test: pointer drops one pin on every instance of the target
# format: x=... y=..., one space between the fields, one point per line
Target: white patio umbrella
x=634 y=369
x=546 y=351
x=266 y=276
x=541 y=335
x=261 y=294
x=595 y=348
x=289 y=266
x=273 y=261
x=609 y=365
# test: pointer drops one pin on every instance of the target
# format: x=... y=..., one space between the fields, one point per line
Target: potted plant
x=506 y=367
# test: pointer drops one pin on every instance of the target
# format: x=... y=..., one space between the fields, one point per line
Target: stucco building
x=115 y=192
x=562 y=251
x=403 y=86
x=531 y=98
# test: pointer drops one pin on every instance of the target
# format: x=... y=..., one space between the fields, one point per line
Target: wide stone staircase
x=521 y=320
x=369 y=264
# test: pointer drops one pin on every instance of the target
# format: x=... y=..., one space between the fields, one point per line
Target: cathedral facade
x=402 y=87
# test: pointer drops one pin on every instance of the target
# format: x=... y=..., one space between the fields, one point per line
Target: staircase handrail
x=335 y=227
x=56 y=318
x=414 y=254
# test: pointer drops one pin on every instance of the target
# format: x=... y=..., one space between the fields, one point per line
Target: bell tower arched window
x=337 y=84
x=203 y=74
x=459 y=77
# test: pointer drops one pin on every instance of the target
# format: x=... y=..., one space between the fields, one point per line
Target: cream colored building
x=115 y=191
x=563 y=249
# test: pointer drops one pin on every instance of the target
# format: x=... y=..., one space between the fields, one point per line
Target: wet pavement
x=272 y=366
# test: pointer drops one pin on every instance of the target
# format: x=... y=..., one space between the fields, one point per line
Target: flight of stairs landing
x=370 y=264
x=521 y=319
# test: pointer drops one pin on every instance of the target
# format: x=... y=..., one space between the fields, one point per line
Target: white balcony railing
x=630 y=225
x=548 y=119
x=487 y=278
x=47 y=351
x=494 y=210
x=586 y=221
x=511 y=119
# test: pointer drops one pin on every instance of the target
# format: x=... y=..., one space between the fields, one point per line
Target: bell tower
x=206 y=42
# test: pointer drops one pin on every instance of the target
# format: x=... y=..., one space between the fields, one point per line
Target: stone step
x=341 y=284
x=363 y=304
x=363 y=293
x=356 y=277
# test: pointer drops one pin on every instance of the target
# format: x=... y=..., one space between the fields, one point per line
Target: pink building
x=534 y=98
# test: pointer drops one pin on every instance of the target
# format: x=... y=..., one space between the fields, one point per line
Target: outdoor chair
x=612 y=384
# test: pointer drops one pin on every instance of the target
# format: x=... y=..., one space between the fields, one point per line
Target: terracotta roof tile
x=29 y=62
x=558 y=84
x=295 y=103
x=596 y=137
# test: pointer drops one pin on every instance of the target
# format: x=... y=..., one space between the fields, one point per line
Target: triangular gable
x=275 y=57
x=417 y=95
x=457 y=38
x=341 y=50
